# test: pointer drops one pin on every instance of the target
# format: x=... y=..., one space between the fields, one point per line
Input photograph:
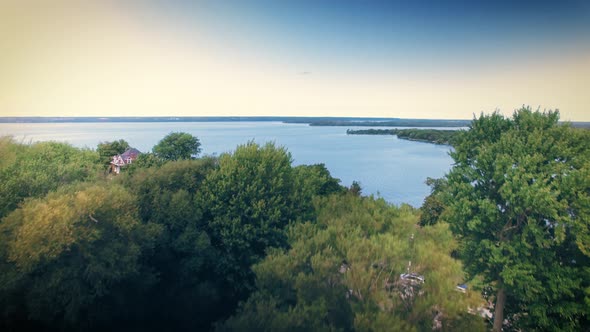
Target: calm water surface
x=384 y=165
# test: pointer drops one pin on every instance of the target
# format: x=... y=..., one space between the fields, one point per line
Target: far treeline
x=435 y=136
x=248 y=242
x=392 y=123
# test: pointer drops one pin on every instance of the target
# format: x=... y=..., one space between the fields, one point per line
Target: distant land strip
x=312 y=121
x=395 y=123
x=443 y=137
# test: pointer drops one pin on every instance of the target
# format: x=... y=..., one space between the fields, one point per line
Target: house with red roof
x=123 y=159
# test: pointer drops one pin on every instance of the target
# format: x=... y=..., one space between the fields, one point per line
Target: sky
x=405 y=59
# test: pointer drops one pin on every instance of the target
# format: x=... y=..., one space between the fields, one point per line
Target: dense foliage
x=33 y=170
x=165 y=245
x=66 y=255
x=518 y=200
x=342 y=272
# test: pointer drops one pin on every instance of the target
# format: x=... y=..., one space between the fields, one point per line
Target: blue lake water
x=384 y=165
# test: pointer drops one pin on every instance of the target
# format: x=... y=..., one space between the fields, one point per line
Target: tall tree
x=518 y=198
x=178 y=145
x=248 y=201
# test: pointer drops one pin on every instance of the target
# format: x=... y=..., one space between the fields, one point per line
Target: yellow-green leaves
x=344 y=271
x=72 y=246
x=33 y=170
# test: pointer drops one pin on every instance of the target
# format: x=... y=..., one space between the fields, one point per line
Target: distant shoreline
x=312 y=121
x=434 y=136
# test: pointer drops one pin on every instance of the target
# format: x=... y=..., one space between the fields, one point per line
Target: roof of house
x=125 y=157
x=130 y=153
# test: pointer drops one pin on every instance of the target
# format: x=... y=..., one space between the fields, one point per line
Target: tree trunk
x=499 y=309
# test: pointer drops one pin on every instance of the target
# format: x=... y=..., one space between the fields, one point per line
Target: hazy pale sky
x=408 y=59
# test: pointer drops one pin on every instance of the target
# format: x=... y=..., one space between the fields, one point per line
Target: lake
x=384 y=165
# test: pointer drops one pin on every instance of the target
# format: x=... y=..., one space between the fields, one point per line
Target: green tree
x=249 y=201
x=106 y=150
x=518 y=200
x=33 y=170
x=63 y=255
x=343 y=273
x=177 y=146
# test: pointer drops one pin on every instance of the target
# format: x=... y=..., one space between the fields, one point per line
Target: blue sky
x=425 y=59
x=385 y=31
